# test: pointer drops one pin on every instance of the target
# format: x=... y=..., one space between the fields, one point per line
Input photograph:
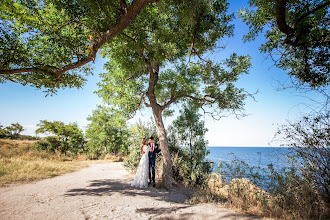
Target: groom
x=152 y=159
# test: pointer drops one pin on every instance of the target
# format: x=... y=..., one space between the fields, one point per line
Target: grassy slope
x=19 y=163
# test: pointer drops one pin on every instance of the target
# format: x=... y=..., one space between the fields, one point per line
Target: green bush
x=28 y=137
x=49 y=144
x=133 y=159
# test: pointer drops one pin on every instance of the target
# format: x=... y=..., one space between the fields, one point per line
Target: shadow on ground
x=108 y=187
x=179 y=195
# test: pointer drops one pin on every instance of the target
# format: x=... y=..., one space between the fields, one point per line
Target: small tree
x=2 y=132
x=71 y=136
x=13 y=131
x=190 y=132
x=108 y=131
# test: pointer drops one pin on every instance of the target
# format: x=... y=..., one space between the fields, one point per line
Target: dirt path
x=101 y=191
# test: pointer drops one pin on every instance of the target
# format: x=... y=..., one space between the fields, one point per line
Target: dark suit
x=152 y=161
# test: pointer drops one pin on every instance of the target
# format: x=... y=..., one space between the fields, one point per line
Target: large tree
x=158 y=61
x=47 y=43
x=298 y=36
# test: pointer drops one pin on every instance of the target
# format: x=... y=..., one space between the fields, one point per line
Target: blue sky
x=27 y=106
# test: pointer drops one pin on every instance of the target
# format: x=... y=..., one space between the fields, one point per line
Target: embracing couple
x=148 y=149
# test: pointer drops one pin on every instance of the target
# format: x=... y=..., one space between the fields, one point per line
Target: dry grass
x=115 y=158
x=17 y=170
x=19 y=163
x=301 y=202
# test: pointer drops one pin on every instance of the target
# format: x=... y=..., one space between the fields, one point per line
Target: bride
x=141 y=176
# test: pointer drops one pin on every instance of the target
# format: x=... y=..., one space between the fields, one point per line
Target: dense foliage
x=47 y=43
x=297 y=34
x=107 y=132
x=68 y=137
x=187 y=140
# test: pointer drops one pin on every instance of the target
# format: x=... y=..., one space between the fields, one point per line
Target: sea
x=253 y=156
x=248 y=162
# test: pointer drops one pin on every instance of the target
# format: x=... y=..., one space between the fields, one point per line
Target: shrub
x=49 y=144
x=286 y=193
x=310 y=141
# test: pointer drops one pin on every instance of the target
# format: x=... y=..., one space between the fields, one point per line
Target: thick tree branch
x=285 y=28
x=153 y=79
x=141 y=54
x=281 y=19
x=192 y=47
x=124 y=20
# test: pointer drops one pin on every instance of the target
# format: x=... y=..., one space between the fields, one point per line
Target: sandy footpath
x=102 y=191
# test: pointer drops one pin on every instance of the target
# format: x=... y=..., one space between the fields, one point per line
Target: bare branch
x=144 y=100
x=129 y=37
x=203 y=99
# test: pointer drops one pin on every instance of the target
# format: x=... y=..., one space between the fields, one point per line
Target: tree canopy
x=47 y=43
x=161 y=48
x=298 y=36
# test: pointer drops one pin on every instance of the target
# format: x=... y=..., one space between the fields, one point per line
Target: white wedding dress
x=142 y=173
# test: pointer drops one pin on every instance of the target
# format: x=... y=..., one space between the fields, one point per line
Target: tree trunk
x=157 y=111
x=167 y=163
